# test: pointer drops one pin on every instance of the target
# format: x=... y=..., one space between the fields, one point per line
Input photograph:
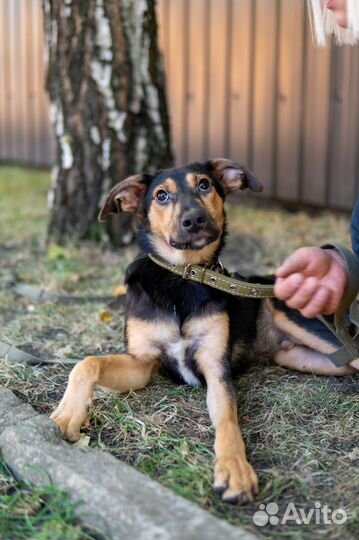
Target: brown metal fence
x=25 y=134
x=244 y=81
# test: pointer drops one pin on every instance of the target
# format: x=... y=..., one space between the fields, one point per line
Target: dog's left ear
x=233 y=176
x=127 y=196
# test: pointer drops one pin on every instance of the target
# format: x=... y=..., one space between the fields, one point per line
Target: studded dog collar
x=217 y=279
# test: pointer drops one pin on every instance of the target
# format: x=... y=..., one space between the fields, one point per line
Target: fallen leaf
x=354 y=454
x=105 y=316
x=75 y=278
x=56 y=252
x=83 y=442
x=120 y=290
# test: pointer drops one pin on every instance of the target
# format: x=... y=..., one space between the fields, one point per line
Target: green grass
x=23 y=204
x=301 y=431
x=39 y=513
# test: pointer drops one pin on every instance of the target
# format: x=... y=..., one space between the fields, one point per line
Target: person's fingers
x=295 y=263
x=284 y=288
x=304 y=294
x=298 y=289
x=317 y=304
x=333 y=302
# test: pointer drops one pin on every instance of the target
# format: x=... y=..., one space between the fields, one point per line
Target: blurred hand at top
x=339 y=8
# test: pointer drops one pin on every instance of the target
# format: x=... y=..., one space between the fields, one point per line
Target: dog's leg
x=306 y=360
x=300 y=349
x=234 y=477
x=120 y=372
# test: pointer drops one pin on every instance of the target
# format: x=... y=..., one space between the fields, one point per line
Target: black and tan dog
x=195 y=333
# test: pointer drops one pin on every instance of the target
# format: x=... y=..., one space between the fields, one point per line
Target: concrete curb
x=116 y=500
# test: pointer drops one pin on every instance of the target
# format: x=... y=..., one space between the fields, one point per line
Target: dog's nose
x=193 y=221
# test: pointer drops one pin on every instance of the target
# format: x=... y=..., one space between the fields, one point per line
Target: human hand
x=312 y=280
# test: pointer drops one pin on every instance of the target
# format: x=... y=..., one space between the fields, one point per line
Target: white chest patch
x=177 y=350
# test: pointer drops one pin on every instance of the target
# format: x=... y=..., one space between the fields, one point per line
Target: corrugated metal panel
x=3 y=127
x=194 y=141
x=244 y=81
x=316 y=124
x=216 y=88
x=240 y=66
x=176 y=70
x=343 y=133
x=290 y=90
x=263 y=136
x=25 y=134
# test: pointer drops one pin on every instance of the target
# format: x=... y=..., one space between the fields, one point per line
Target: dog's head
x=181 y=210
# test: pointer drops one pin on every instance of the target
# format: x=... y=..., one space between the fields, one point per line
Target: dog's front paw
x=235 y=479
x=70 y=419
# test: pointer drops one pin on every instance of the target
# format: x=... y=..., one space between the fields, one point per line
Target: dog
x=194 y=333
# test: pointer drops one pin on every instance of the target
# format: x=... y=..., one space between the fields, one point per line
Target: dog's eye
x=162 y=196
x=203 y=184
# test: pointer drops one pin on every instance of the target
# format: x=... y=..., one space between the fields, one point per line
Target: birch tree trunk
x=108 y=106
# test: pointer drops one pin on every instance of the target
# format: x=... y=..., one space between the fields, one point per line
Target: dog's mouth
x=194 y=242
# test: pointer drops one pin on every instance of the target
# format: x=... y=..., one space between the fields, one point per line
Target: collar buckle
x=218 y=267
x=186 y=271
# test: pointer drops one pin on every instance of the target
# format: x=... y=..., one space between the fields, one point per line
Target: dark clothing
x=354 y=228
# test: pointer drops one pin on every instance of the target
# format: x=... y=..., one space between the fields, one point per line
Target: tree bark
x=108 y=106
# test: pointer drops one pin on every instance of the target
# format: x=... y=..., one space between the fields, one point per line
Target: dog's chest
x=179 y=359
x=173 y=319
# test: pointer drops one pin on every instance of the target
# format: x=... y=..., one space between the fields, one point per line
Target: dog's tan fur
x=231 y=467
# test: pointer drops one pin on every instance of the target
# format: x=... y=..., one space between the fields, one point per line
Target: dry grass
x=301 y=431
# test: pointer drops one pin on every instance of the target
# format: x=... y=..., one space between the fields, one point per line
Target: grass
x=40 y=513
x=301 y=431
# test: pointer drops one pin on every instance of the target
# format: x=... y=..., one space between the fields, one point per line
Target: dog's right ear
x=233 y=176
x=127 y=196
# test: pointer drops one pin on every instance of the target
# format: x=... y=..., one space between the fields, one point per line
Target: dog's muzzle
x=195 y=231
